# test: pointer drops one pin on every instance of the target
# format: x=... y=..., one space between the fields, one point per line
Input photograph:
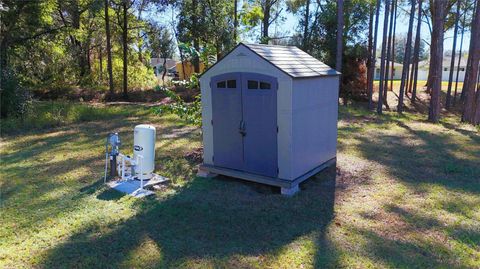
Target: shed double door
x=245 y=122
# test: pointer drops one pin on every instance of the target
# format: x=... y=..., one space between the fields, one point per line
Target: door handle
x=241 y=128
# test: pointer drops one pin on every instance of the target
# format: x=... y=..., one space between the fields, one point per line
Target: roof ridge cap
x=269 y=45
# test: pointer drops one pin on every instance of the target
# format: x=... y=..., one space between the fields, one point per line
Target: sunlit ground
x=405 y=193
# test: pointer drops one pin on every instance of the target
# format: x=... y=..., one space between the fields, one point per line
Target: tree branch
x=45 y=32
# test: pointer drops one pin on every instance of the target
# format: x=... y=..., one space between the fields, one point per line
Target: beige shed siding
x=314 y=128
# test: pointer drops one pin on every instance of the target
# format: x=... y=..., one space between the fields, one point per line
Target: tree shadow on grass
x=432 y=160
x=397 y=253
x=460 y=232
x=110 y=195
x=207 y=219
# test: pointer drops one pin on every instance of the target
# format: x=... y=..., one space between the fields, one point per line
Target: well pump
x=111 y=152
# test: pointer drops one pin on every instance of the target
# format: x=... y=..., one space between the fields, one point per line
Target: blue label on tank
x=137 y=148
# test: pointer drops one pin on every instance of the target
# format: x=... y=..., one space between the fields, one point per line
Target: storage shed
x=269 y=115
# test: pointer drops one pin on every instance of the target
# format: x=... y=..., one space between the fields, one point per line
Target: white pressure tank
x=144 y=145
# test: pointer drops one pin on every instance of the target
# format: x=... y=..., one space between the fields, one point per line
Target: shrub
x=189 y=112
x=354 y=80
x=15 y=98
x=190 y=84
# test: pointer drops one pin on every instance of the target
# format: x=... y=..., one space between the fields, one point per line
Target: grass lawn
x=405 y=193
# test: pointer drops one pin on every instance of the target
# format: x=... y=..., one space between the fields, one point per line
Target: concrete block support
x=205 y=173
x=290 y=191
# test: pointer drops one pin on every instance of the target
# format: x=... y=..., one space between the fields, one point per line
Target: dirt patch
x=195 y=155
x=347 y=179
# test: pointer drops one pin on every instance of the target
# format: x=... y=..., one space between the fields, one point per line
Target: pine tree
x=459 y=58
x=436 y=83
x=382 y=57
x=389 y=54
x=471 y=109
x=373 y=59
x=416 y=52
x=109 y=48
x=407 y=59
x=370 y=48
x=452 y=60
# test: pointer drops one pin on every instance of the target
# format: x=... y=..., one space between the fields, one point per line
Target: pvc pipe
x=123 y=168
x=140 y=159
x=106 y=168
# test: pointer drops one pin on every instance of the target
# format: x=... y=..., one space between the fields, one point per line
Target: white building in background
x=423 y=68
x=157 y=64
x=397 y=70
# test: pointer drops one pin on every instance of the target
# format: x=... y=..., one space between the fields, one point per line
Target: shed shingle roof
x=292 y=60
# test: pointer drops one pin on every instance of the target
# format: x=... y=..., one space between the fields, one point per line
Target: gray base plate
x=132 y=187
x=278 y=182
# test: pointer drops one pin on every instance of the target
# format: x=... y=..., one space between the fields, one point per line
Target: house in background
x=157 y=64
x=424 y=65
x=186 y=69
x=397 y=70
x=423 y=69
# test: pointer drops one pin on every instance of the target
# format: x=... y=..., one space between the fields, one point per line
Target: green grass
x=405 y=193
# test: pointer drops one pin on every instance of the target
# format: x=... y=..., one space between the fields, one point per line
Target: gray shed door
x=245 y=122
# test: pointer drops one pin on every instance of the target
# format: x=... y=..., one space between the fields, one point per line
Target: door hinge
x=213 y=158
x=277 y=128
x=278 y=171
x=211 y=121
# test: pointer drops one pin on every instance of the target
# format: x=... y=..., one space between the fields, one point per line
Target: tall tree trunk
x=305 y=26
x=164 y=69
x=109 y=48
x=88 y=57
x=100 y=59
x=374 y=56
x=338 y=55
x=409 y=86
x=407 y=58
x=393 y=45
x=125 y=49
x=416 y=52
x=82 y=48
x=412 y=69
x=175 y=34
x=3 y=54
x=340 y=23
x=266 y=22
x=437 y=34
x=370 y=47
x=382 y=57
x=389 y=55
x=477 y=104
x=462 y=95
x=139 y=35
x=433 y=44
x=459 y=58
x=235 y=20
x=452 y=61
x=469 y=84
x=4 y=49
x=196 y=39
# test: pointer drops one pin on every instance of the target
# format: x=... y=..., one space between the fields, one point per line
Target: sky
x=402 y=28
x=289 y=25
